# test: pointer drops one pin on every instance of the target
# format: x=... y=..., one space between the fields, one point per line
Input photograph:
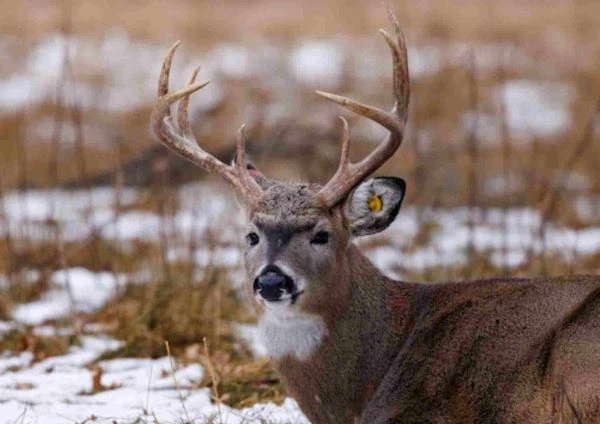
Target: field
x=121 y=282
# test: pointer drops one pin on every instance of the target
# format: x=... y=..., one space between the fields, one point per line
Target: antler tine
x=374 y=113
x=240 y=148
x=163 y=81
x=345 y=153
x=349 y=175
x=182 y=110
x=181 y=139
x=400 y=63
x=240 y=158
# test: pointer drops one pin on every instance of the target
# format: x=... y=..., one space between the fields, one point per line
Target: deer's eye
x=322 y=237
x=252 y=239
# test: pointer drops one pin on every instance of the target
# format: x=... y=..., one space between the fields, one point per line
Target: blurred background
x=105 y=235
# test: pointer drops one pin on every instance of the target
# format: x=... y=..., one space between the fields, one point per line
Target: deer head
x=298 y=234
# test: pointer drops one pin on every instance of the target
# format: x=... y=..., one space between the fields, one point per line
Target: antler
x=349 y=175
x=182 y=141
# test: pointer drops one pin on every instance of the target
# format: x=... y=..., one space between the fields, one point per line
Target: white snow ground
x=58 y=391
x=75 y=290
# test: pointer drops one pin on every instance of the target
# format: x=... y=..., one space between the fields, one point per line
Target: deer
x=354 y=346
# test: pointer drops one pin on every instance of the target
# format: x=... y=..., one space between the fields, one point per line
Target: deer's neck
x=362 y=331
x=378 y=311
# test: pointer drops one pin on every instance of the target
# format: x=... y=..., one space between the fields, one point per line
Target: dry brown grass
x=41 y=346
x=181 y=312
x=208 y=21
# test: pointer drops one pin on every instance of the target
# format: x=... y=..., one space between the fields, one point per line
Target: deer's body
x=491 y=351
x=354 y=346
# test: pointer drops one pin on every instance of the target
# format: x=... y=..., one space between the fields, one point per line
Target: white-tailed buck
x=355 y=346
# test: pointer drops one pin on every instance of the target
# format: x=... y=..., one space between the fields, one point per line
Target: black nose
x=272 y=283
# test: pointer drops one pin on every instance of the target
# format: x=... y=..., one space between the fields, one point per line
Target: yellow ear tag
x=375 y=203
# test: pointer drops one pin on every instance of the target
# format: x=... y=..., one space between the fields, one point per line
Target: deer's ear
x=374 y=204
x=262 y=181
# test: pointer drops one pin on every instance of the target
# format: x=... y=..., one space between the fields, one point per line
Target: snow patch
x=58 y=391
x=76 y=290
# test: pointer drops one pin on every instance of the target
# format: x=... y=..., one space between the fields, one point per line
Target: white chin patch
x=282 y=308
x=288 y=332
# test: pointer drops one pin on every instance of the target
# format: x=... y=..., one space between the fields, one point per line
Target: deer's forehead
x=273 y=224
x=289 y=202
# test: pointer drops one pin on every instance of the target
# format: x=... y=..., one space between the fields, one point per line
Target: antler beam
x=180 y=139
x=349 y=175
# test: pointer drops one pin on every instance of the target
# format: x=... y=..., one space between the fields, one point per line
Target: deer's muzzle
x=273 y=284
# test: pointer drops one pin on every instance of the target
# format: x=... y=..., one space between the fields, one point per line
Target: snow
x=128 y=69
x=537 y=108
x=76 y=289
x=113 y=54
x=508 y=235
x=59 y=390
x=318 y=62
x=51 y=306
x=77 y=211
x=6 y=326
x=209 y=214
x=234 y=60
x=532 y=108
x=9 y=362
x=83 y=212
